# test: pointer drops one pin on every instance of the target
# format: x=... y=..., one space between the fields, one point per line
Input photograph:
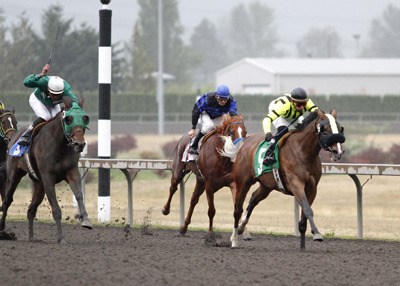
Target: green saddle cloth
x=259 y=167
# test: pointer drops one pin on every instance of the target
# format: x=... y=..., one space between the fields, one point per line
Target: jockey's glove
x=268 y=136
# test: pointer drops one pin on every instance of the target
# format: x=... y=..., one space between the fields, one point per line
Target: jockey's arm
x=36 y=80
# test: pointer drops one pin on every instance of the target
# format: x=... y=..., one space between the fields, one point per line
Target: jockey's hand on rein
x=268 y=136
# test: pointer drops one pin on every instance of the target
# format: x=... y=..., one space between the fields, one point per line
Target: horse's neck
x=310 y=139
x=54 y=129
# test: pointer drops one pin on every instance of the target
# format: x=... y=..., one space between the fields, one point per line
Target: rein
x=325 y=141
x=230 y=133
x=2 y=131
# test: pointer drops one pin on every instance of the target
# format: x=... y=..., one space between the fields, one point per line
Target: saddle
x=17 y=150
x=274 y=168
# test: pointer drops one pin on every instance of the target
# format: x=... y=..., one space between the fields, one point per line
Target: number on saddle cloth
x=259 y=167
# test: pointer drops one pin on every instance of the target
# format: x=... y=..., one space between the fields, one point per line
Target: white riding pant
x=283 y=121
x=43 y=111
x=207 y=124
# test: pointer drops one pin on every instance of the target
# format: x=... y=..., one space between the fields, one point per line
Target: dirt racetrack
x=142 y=256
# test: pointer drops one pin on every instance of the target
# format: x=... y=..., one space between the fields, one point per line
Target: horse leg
x=74 y=181
x=176 y=179
x=257 y=196
x=13 y=179
x=37 y=198
x=198 y=191
x=302 y=230
x=240 y=196
x=211 y=210
x=246 y=235
x=49 y=187
x=307 y=214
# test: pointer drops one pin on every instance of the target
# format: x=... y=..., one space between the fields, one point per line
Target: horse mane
x=40 y=126
x=227 y=120
x=299 y=127
x=310 y=118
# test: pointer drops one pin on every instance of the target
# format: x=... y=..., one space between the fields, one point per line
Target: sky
x=293 y=18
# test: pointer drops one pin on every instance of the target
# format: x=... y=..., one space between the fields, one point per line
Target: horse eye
x=68 y=120
x=85 y=119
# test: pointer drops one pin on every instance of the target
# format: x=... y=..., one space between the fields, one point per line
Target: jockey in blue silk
x=208 y=111
x=45 y=99
x=282 y=112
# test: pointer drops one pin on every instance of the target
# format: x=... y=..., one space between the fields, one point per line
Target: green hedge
x=129 y=103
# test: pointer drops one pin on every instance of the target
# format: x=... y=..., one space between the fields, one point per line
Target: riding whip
x=54 y=43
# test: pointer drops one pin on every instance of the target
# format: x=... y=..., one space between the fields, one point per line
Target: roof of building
x=360 y=66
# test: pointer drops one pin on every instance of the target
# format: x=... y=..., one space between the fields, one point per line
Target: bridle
x=327 y=140
x=3 y=131
x=230 y=133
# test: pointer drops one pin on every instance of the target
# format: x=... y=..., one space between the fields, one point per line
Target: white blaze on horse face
x=332 y=123
x=240 y=131
x=9 y=119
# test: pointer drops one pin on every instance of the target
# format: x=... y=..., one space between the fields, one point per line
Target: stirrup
x=24 y=141
x=269 y=160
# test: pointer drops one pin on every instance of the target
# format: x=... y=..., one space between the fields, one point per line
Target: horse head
x=233 y=133
x=75 y=123
x=8 y=124
x=234 y=128
x=330 y=134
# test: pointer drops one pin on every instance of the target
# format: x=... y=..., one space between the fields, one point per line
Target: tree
x=144 y=44
x=21 y=55
x=252 y=32
x=210 y=52
x=137 y=72
x=385 y=35
x=320 y=43
x=4 y=48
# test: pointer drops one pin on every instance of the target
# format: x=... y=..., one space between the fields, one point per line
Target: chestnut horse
x=300 y=169
x=8 y=128
x=53 y=157
x=212 y=170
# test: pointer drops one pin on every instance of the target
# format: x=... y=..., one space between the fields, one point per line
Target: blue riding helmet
x=223 y=91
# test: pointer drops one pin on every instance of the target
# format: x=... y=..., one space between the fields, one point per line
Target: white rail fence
x=131 y=167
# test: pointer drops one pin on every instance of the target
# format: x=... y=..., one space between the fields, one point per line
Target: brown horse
x=53 y=157
x=8 y=128
x=212 y=170
x=300 y=169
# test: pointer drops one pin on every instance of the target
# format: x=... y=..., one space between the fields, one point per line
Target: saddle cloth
x=17 y=150
x=259 y=167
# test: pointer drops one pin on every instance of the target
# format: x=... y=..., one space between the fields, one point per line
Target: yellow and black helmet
x=299 y=95
x=2 y=106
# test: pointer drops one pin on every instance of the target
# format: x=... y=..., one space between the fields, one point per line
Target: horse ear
x=333 y=112
x=67 y=102
x=81 y=101
x=320 y=112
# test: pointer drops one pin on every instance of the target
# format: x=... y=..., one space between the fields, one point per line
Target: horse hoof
x=318 y=237
x=183 y=230
x=86 y=224
x=165 y=211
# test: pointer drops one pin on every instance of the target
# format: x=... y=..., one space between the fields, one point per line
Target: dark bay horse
x=300 y=169
x=212 y=170
x=53 y=157
x=8 y=128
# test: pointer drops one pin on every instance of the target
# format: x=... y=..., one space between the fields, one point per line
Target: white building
x=359 y=76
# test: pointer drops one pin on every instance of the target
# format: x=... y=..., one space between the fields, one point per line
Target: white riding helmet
x=56 y=85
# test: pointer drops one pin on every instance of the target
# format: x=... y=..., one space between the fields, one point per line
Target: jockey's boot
x=26 y=137
x=269 y=157
x=194 y=145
